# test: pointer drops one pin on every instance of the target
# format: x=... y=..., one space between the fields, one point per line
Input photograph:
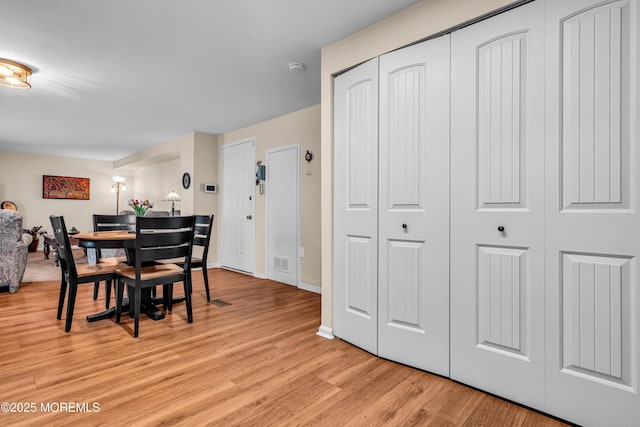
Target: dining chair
x=201 y=237
x=109 y=223
x=74 y=275
x=157 y=238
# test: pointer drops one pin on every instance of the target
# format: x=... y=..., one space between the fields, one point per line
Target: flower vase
x=33 y=246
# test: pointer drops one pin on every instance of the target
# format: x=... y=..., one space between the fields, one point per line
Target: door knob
x=404 y=226
x=500 y=228
x=249 y=217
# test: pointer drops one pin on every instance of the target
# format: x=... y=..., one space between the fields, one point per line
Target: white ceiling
x=113 y=77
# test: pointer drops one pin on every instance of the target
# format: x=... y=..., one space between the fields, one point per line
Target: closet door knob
x=500 y=228
x=404 y=226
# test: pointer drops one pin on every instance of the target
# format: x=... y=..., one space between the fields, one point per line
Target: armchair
x=13 y=250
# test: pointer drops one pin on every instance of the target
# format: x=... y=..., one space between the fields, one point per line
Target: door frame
x=266 y=209
x=221 y=237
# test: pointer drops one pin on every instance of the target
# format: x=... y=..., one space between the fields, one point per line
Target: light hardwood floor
x=255 y=362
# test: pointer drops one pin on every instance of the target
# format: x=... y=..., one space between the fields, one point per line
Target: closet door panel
x=414 y=213
x=497 y=205
x=355 y=285
x=592 y=222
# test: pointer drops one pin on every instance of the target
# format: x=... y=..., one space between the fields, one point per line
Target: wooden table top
x=106 y=235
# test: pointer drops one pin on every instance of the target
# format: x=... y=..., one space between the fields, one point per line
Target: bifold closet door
x=413 y=297
x=355 y=207
x=497 y=205
x=593 y=224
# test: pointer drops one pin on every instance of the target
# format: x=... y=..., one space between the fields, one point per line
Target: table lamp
x=172 y=197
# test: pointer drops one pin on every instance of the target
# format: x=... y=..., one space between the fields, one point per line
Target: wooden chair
x=108 y=223
x=201 y=237
x=73 y=275
x=157 y=238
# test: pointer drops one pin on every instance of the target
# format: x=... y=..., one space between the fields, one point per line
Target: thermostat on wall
x=210 y=188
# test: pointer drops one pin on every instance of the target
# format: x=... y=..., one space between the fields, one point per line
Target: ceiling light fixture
x=296 y=66
x=14 y=75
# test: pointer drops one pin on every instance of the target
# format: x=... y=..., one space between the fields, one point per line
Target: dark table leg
x=160 y=300
x=109 y=312
x=147 y=306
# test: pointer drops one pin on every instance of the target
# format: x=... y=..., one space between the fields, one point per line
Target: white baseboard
x=213 y=265
x=310 y=288
x=239 y=271
x=325 y=332
x=259 y=275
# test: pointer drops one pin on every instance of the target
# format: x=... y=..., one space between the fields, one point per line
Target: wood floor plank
x=255 y=362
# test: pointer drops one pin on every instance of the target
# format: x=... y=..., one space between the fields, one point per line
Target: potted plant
x=33 y=246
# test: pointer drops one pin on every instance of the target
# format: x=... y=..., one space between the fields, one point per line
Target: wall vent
x=281 y=264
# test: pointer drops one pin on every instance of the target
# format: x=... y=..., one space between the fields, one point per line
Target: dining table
x=115 y=239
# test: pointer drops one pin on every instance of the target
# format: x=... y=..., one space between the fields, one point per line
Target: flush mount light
x=14 y=75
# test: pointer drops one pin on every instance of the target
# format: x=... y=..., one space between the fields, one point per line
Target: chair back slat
x=159 y=253
x=161 y=223
x=62 y=242
x=199 y=240
x=164 y=238
x=159 y=238
x=114 y=222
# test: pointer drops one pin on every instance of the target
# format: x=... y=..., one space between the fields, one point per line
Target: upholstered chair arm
x=25 y=241
x=22 y=255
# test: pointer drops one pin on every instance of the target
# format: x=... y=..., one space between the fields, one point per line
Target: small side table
x=50 y=245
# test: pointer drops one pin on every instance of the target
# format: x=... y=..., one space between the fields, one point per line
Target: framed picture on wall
x=65 y=187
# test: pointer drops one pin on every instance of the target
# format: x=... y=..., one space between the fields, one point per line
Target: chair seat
x=148 y=272
x=87 y=270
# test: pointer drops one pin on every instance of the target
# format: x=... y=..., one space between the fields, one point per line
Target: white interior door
x=282 y=176
x=413 y=299
x=355 y=207
x=497 y=205
x=238 y=205
x=593 y=225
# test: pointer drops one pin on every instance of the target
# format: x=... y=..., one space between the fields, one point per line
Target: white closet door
x=414 y=206
x=593 y=225
x=355 y=207
x=282 y=207
x=497 y=205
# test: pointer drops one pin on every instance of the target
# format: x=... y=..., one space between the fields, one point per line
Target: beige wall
x=300 y=127
x=21 y=183
x=159 y=169
x=205 y=171
x=155 y=181
x=417 y=22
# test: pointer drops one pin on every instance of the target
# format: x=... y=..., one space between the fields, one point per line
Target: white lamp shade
x=172 y=197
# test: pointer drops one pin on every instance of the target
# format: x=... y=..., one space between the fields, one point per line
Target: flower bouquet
x=140 y=207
